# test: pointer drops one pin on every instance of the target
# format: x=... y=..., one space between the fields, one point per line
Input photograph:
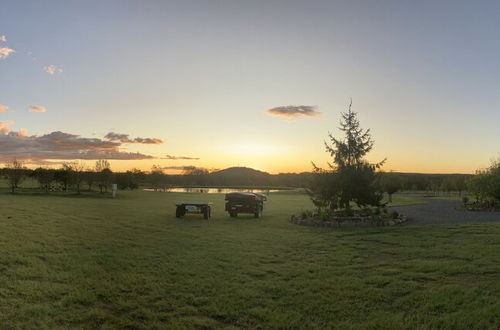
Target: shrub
x=485 y=185
x=325 y=215
x=348 y=212
x=394 y=215
x=367 y=212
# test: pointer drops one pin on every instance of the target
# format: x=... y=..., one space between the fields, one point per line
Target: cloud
x=5 y=52
x=4 y=108
x=178 y=168
x=3 y=38
x=52 y=69
x=4 y=127
x=59 y=145
x=37 y=108
x=124 y=138
x=22 y=132
x=294 y=111
x=189 y=169
x=40 y=162
x=170 y=157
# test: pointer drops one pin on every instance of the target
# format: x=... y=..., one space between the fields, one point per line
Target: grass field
x=91 y=262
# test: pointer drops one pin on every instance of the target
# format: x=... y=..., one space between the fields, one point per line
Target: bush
x=366 y=212
x=348 y=212
x=394 y=215
x=306 y=214
x=465 y=200
x=485 y=185
x=325 y=215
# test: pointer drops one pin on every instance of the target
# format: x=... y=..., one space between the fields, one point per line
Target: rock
x=391 y=223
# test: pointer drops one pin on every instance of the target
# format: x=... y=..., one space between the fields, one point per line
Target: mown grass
x=404 y=199
x=129 y=263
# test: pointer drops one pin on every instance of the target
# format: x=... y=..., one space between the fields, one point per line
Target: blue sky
x=424 y=76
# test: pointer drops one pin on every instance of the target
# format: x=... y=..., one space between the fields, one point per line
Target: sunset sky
x=260 y=84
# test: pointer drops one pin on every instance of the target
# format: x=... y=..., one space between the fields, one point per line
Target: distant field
x=71 y=261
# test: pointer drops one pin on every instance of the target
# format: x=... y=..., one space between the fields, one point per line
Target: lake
x=208 y=190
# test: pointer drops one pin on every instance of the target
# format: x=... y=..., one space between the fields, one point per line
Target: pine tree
x=356 y=144
x=350 y=178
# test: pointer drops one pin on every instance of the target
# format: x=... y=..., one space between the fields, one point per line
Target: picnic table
x=204 y=208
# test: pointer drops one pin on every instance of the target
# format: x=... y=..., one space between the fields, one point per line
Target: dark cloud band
x=60 y=145
x=294 y=111
x=170 y=157
x=124 y=138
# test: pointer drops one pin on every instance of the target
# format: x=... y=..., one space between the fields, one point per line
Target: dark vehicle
x=245 y=203
x=204 y=208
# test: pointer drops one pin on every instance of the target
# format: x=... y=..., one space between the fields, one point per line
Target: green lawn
x=90 y=262
x=404 y=199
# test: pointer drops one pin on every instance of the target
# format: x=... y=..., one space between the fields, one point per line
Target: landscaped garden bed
x=483 y=205
x=341 y=219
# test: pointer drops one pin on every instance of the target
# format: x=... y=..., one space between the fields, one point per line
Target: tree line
x=70 y=176
x=78 y=177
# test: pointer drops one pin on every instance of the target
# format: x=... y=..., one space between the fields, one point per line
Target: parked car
x=238 y=202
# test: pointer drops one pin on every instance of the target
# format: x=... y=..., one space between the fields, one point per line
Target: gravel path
x=442 y=211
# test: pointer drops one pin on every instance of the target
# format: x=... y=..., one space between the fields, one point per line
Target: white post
x=114 y=187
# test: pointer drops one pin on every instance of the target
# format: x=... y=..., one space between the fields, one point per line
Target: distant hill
x=239 y=171
x=243 y=176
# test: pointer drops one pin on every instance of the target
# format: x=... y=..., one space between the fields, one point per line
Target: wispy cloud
x=124 y=138
x=4 y=108
x=294 y=111
x=52 y=69
x=170 y=157
x=3 y=38
x=37 y=108
x=58 y=145
x=5 y=52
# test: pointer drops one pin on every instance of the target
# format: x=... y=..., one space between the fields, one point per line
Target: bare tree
x=64 y=175
x=104 y=174
x=90 y=177
x=45 y=177
x=15 y=174
x=78 y=174
x=157 y=178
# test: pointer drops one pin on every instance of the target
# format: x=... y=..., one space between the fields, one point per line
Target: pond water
x=208 y=190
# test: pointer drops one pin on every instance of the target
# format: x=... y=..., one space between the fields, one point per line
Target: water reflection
x=213 y=190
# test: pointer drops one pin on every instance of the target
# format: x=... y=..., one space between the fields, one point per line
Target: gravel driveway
x=442 y=211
